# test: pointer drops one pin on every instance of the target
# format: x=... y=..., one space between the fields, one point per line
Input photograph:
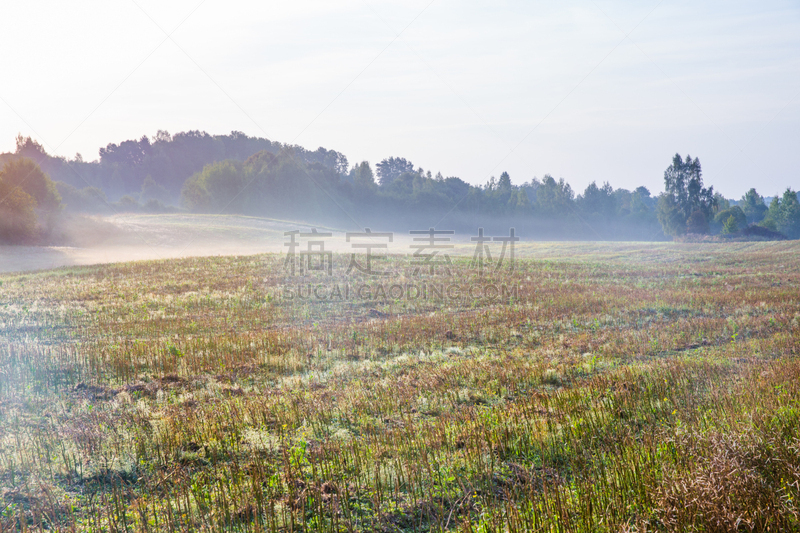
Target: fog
x=135 y=237
x=110 y=239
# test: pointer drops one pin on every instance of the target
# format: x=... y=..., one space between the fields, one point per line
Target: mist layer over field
x=135 y=237
x=111 y=239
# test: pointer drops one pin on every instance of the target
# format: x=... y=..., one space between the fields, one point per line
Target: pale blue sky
x=469 y=88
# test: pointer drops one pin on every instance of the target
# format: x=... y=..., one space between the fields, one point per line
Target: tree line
x=151 y=168
x=284 y=185
x=237 y=174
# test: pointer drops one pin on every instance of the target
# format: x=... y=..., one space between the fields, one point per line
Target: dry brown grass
x=624 y=389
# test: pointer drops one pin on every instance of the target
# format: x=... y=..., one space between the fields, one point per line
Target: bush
x=17 y=215
x=153 y=191
x=154 y=206
x=736 y=212
x=24 y=190
x=26 y=174
x=86 y=200
x=784 y=215
x=697 y=223
x=128 y=204
x=730 y=226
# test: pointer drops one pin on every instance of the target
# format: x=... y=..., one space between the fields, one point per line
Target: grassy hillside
x=596 y=387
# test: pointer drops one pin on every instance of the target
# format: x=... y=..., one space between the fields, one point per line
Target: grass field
x=595 y=387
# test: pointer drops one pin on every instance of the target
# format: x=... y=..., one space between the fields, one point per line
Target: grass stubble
x=631 y=388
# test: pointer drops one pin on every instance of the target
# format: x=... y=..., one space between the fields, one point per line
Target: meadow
x=595 y=387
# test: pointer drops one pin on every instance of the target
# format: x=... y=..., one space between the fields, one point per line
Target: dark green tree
x=520 y=203
x=598 y=202
x=672 y=219
x=25 y=191
x=554 y=197
x=219 y=187
x=504 y=183
x=27 y=147
x=720 y=203
x=753 y=206
x=685 y=198
x=784 y=214
x=27 y=175
x=730 y=225
x=86 y=200
x=363 y=178
x=641 y=201
x=392 y=168
x=736 y=212
x=697 y=223
x=17 y=215
x=154 y=191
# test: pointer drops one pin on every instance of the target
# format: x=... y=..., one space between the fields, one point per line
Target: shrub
x=24 y=190
x=17 y=216
x=730 y=226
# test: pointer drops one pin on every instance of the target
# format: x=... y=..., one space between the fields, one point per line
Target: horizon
x=591 y=92
x=654 y=192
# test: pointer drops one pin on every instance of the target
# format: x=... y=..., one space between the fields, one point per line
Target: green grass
x=625 y=387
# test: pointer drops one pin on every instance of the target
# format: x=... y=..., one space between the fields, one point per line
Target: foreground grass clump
x=623 y=389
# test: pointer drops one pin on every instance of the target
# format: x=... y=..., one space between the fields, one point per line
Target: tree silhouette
x=685 y=205
x=392 y=168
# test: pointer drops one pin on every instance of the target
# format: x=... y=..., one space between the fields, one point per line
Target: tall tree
x=504 y=183
x=736 y=212
x=28 y=176
x=641 y=201
x=753 y=206
x=685 y=204
x=784 y=214
x=27 y=147
x=17 y=215
x=363 y=178
x=554 y=197
x=598 y=201
x=390 y=169
x=24 y=190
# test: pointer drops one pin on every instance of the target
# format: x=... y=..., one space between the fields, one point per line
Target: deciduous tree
x=685 y=204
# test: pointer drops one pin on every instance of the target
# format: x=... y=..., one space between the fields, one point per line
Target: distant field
x=594 y=387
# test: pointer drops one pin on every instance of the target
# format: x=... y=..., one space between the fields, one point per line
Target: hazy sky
x=598 y=90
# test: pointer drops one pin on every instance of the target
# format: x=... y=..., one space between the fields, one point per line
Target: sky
x=588 y=91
